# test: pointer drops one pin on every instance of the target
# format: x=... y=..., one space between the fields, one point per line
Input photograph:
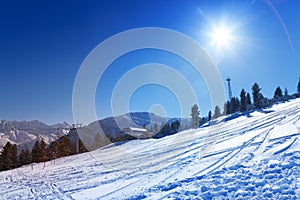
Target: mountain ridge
x=25 y=133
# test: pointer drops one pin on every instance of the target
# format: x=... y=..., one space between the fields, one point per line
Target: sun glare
x=221 y=36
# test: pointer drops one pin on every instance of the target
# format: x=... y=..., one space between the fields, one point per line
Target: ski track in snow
x=256 y=157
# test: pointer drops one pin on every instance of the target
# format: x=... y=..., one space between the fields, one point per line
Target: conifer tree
x=43 y=152
x=155 y=128
x=27 y=157
x=298 y=87
x=278 y=93
x=217 y=112
x=24 y=157
x=65 y=146
x=243 y=101
x=257 y=96
x=35 y=152
x=227 y=108
x=195 y=116
x=249 y=103
x=234 y=105
x=175 y=127
x=14 y=156
x=53 y=150
x=8 y=157
x=209 y=115
x=286 y=92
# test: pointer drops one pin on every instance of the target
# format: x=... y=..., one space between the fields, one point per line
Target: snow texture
x=254 y=156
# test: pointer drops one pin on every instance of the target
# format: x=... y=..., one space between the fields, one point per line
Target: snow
x=243 y=157
x=138 y=129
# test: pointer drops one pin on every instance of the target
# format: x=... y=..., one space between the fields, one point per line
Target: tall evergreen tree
x=298 y=87
x=195 y=116
x=243 y=101
x=248 y=99
x=35 y=152
x=209 y=115
x=257 y=96
x=24 y=157
x=53 y=150
x=65 y=146
x=8 y=157
x=286 y=92
x=43 y=157
x=14 y=156
x=278 y=93
x=227 y=108
x=234 y=105
x=217 y=112
x=174 y=127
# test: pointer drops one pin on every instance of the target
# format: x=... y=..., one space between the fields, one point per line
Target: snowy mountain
x=111 y=127
x=25 y=133
x=136 y=119
x=243 y=156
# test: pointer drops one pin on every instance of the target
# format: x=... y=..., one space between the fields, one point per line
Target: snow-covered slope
x=247 y=157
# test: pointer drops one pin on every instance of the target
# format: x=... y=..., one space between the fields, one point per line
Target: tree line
x=244 y=103
x=41 y=152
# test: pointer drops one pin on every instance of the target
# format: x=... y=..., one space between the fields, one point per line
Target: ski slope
x=245 y=157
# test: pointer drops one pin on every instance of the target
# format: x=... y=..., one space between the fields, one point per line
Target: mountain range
x=25 y=133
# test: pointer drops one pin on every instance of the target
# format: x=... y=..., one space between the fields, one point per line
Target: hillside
x=255 y=156
x=25 y=133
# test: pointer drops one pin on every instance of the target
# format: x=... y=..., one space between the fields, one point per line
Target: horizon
x=44 y=45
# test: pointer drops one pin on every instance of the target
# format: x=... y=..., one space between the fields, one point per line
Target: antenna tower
x=229 y=88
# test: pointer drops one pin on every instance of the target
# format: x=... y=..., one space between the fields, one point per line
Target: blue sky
x=43 y=43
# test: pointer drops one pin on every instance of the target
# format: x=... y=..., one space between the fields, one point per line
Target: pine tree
x=257 y=96
x=278 y=93
x=243 y=101
x=195 y=116
x=21 y=159
x=14 y=156
x=53 y=150
x=298 y=87
x=65 y=146
x=35 y=152
x=217 y=112
x=43 y=157
x=155 y=128
x=249 y=103
x=234 y=105
x=286 y=92
x=24 y=157
x=8 y=157
x=209 y=115
x=27 y=157
x=175 y=127
x=227 y=108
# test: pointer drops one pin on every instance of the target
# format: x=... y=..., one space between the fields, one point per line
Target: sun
x=221 y=36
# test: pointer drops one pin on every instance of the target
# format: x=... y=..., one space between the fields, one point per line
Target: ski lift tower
x=229 y=88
